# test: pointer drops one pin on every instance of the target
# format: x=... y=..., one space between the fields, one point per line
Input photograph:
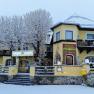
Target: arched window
x=90 y=59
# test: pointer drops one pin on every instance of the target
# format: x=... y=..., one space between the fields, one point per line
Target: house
x=70 y=47
x=73 y=47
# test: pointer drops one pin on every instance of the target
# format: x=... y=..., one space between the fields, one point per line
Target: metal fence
x=44 y=70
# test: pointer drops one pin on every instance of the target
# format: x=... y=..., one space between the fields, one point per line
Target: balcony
x=5 y=53
x=85 y=45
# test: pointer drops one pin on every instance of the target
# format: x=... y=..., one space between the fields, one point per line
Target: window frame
x=66 y=31
x=57 y=37
x=87 y=36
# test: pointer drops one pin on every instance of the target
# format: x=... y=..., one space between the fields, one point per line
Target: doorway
x=69 y=59
x=23 y=66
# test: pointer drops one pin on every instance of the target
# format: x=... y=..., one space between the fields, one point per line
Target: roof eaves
x=78 y=26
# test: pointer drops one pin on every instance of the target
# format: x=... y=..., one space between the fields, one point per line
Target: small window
x=90 y=36
x=90 y=58
x=10 y=62
x=57 y=36
x=68 y=35
x=25 y=47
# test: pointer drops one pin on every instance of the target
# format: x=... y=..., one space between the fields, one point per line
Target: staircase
x=21 y=79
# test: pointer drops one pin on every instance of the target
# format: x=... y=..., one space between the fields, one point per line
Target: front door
x=23 y=66
x=69 y=60
x=69 y=54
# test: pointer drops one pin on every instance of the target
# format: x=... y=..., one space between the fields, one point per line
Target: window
x=10 y=62
x=57 y=36
x=25 y=47
x=69 y=35
x=90 y=36
x=90 y=58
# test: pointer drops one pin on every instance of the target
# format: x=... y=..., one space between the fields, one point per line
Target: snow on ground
x=45 y=89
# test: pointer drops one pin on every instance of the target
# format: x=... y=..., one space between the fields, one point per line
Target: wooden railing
x=44 y=70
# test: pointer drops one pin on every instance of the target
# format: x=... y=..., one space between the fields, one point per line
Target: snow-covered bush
x=90 y=80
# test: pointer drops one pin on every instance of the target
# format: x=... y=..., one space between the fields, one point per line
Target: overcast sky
x=59 y=9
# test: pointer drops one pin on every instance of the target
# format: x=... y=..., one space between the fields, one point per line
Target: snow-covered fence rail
x=44 y=70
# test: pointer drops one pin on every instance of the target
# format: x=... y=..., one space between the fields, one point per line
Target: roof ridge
x=77 y=16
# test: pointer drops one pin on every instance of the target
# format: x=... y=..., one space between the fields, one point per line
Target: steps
x=21 y=79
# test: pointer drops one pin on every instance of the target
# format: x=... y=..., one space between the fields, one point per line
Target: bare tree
x=38 y=23
x=30 y=28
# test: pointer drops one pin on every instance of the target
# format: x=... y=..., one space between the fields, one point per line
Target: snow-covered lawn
x=45 y=89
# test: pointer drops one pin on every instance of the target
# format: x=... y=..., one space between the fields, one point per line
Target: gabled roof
x=81 y=22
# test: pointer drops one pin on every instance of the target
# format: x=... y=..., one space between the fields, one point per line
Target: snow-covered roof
x=82 y=21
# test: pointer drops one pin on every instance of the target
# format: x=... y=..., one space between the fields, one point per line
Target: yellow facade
x=3 y=59
x=78 y=34
x=13 y=70
x=83 y=34
x=71 y=70
x=62 y=29
x=83 y=55
x=58 y=47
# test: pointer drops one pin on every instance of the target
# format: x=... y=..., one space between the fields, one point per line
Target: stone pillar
x=17 y=61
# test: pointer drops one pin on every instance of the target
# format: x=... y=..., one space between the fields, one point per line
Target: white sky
x=59 y=9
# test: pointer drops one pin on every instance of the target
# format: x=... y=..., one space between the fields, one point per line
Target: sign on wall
x=23 y=53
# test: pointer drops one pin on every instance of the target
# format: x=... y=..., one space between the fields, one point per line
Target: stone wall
x=65 y=80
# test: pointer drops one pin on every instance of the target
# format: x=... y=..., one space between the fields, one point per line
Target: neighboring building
x=49 y=47
x=5 y=54
x=23 y=60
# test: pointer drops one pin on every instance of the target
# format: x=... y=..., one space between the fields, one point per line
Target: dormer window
x=68 y=35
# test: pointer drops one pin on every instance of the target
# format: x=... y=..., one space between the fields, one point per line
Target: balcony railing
x=85 y=43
